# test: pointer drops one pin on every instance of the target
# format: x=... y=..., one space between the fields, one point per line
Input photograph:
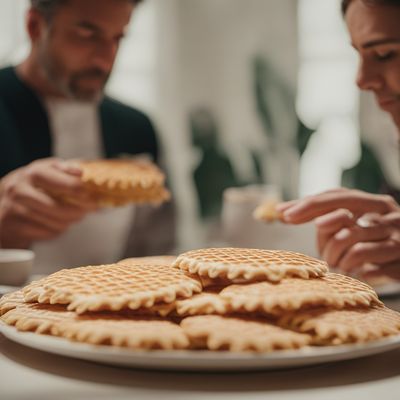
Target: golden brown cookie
x=10 y=301
x=201 y=304
x=113 y=287
x=267 y=212
x=39 y=318
x=250 y=264
x=334 y=327
x=136 y=332
x=214 y=332
x=333 y=290
x=115 y=182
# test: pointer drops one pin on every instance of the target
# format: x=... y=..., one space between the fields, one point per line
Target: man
x=357 y=229
x=52 y=108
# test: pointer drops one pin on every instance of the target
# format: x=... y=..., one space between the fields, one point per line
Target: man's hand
x=29 y=211
x=354 y=229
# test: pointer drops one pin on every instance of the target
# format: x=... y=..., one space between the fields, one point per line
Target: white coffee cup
x=15 y=266
x=240 y=229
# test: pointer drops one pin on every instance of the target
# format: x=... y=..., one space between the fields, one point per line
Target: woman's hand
x=354 y=229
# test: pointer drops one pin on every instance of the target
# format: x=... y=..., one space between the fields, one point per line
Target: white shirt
x=99 y=238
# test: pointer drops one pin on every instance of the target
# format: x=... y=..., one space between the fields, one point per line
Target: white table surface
x=34 y=375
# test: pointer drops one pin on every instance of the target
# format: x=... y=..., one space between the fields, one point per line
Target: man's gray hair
x=48 y=7
x=346 y=3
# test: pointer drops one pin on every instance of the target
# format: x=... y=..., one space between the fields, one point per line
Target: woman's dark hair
x=48 y=7
x=346 y=3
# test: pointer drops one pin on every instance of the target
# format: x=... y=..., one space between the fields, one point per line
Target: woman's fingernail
x=343 y=234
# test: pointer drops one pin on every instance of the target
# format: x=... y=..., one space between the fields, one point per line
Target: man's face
x=375 y=34
x=77 y=48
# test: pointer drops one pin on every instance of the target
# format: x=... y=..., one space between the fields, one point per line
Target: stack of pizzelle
x=230 y=299
x=116 y=182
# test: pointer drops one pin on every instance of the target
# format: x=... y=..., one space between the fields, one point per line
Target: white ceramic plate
x=197 y=360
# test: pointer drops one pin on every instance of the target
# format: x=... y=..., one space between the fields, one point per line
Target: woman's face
x=375 y=34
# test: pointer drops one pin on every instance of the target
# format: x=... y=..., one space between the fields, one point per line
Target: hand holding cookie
x=28 y=210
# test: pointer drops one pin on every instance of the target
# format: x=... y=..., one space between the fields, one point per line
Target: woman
x=354 y=228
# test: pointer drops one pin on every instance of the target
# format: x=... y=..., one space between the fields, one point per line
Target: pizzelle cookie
x=267 y=212
x=39 y=318
x=10 y=301
x=202 y=303
x=135 y=332
x=34 y=291
x=209 y=283
x=216 y=332
x=250 y=264
x=333 y=290
x=113 y=287
x=117 y=182
x=335 y=327
x=199 y=304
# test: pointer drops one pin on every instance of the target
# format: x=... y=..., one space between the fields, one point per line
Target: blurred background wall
x=244 y=92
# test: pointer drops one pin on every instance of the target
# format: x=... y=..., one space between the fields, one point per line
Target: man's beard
x=78 y=93
x=69 y=85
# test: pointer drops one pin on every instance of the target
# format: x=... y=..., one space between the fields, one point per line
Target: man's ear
x=35 y=24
